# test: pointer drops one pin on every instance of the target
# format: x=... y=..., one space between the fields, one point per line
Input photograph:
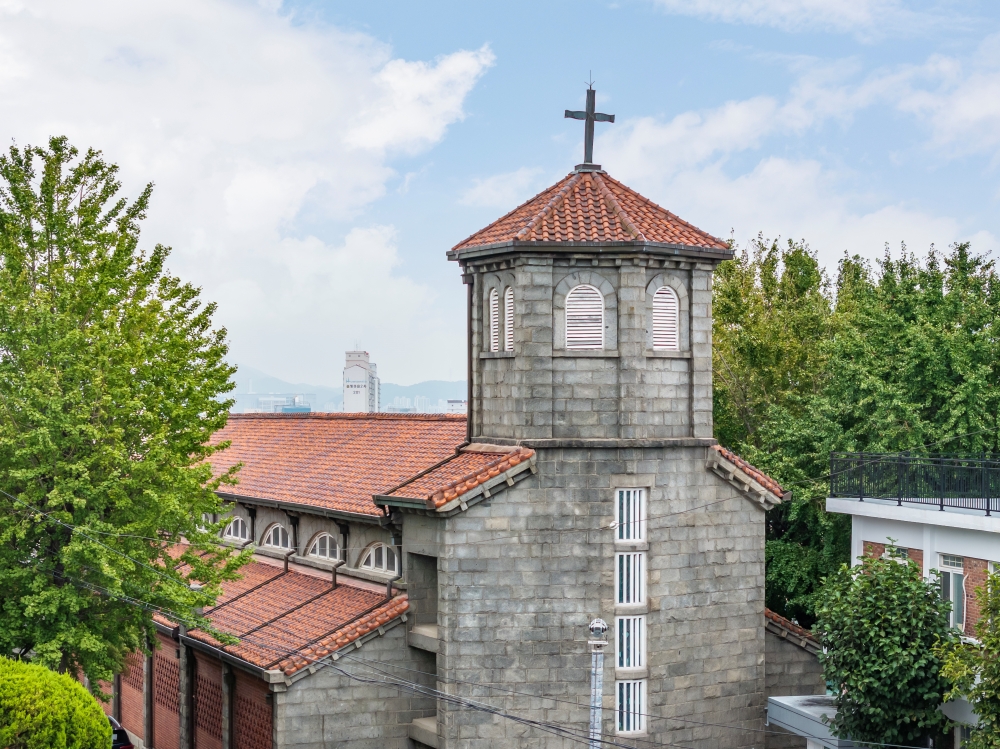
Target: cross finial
x=590 y=116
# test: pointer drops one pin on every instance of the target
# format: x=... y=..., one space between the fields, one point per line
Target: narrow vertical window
x=665 y=314
x=508 y=319
x=630 y=698
x=584 y=318
x=630 y=577
x=631 y=641
x=631 y=513
x=494 y=320
x=953 y=587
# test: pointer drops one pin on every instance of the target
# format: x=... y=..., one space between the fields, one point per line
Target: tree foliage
x=40 y=709
x=900 y=356
x=974 y=668
x=879 y=624
x=110 y=377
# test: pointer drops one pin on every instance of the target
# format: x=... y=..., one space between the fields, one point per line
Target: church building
x=428 y=580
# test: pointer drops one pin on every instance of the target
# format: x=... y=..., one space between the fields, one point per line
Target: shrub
x=40 y=709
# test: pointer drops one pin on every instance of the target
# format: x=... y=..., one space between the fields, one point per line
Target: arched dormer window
x=380 y=558
x=494 y=313
x=584 y=318
x=237 y=530
x=508 y=319
x=276 y=537
x=324 y=546
x=666 y=336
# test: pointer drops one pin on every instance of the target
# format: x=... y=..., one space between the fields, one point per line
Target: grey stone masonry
x=520 y=577
x=791 y=669
x=627 y=390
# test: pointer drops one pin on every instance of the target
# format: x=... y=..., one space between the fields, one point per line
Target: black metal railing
x=970 y=482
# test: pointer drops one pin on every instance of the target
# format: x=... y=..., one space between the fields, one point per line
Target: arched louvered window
x=494 y=320
x=277 y=537
x=324 y=546
x=380 y=558
x=665 y=307
x=584 y=318
x=237 y=530
x=508 y=319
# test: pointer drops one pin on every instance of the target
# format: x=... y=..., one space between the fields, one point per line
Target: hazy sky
x=314 y=160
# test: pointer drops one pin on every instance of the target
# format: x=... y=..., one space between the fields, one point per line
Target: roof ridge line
x=555 y=200
x=612 y=203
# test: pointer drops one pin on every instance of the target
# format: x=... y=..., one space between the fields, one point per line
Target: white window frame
x=333 y=547
x=952 y=569
x=508 y=319
x=282 y=533
x=630 y=706
x=630 y=642
x=666 y=320
x=370 y=557
x=584 y=318
x=630 y=514
x=494 y=312
x=630 y=578
x=234 y=524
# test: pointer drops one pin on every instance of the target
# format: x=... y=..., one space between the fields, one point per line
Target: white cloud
x=244 y=117
x=866 y=17
x=503 y=191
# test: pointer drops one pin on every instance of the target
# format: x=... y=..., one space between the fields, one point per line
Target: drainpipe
x=469 y=280
x=290 y=553
x=336 y=565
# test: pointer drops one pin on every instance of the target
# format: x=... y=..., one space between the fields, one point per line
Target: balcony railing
x=957 y=481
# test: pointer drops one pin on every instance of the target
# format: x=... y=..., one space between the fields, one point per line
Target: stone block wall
x=791 y=668
x=521 y=576
x=329 y=710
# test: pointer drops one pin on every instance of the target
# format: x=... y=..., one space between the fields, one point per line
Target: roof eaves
x=747 y=480
x=299 y=506
x=695 y=251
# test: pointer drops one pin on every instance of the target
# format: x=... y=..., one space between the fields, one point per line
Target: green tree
x=900 y=356
x=974 y=668
x=110 y=384
x=879 y=624
x=40 y=709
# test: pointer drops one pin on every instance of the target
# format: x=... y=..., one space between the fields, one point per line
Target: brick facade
x=873 y=549
x=975 y=571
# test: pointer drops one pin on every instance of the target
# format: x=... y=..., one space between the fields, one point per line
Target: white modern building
x=361 y=384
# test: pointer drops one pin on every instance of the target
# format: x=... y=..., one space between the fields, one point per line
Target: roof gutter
x=469 y=280
x=222 y=655
x=309 y=509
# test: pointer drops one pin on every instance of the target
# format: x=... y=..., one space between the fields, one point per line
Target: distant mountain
x=253 y=384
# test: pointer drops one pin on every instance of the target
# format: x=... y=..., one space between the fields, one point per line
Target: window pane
x=630 y=641
x=630 y=696
x=630 y=577
x=368 y=559
x=390 y=557
x=378 y=558
x=631 y=514
x=958 y=598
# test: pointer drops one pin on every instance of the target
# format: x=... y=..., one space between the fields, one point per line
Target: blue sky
x=315 y=160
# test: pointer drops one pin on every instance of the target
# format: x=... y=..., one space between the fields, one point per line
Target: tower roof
x=588 y=207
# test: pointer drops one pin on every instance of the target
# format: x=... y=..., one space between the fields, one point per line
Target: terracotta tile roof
x=759 y=476
x=289 y=619
x=788 y=624
x=335 y=461
x=591 y=207
x=459 y=475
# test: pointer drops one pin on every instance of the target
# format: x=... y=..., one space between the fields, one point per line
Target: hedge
x=40 y=709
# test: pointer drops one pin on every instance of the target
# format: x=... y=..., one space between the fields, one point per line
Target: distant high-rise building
x=361 y=385
x=458 y=406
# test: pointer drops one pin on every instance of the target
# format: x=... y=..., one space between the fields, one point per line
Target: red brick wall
x=132 y=694
x=107 y=688
x=166 y=696
x=208 y=703
x=252 y=717
x=975 y=577
x=917 y=555
x=873 y=549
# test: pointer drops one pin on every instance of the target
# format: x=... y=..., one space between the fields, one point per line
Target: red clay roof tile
x=590 y=207
x=290 y=620
x=334 y=461
x=459 y=475
x=759 y=476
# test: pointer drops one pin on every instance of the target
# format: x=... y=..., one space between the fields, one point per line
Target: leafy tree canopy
x=40 y=709
x=110 y=384
x=900 y=356
x=879 y=623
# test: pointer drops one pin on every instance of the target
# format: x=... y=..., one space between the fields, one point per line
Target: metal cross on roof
x=590 y=117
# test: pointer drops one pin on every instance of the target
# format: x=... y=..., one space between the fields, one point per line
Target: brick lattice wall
x=252 y=718
x=208 y=703
x=166 y=696
x=976 y=571
x=132 y=681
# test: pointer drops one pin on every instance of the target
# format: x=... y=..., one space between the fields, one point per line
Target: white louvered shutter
x=508 y=319
x=584 y=318
x=494 y=320
x=665 y=314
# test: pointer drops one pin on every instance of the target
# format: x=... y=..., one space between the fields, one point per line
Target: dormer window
x=584 y=318
x=665 y=314
x=324 y=547
x=276 y=537
x=494 y=320
x=508 y=319
x=380 y=558
x=237 y=530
